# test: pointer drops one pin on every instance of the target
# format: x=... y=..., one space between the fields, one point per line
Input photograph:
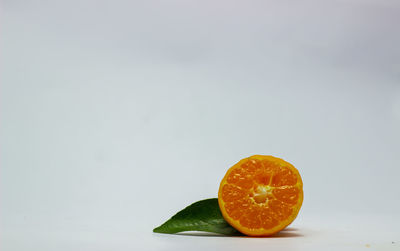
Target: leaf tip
x=159 y=229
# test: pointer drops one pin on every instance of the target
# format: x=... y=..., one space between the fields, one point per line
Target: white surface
x=335 y=232
x=117 y=114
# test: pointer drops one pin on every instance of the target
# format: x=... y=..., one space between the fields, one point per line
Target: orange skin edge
x=261 y=231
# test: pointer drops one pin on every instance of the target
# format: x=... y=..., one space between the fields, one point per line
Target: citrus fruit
x=260 y=195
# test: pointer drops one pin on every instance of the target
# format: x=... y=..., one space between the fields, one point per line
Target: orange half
x=261 y=195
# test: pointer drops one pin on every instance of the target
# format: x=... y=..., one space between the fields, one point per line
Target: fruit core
x=261 y=193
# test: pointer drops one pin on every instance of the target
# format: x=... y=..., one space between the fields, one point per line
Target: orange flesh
x=261 y=195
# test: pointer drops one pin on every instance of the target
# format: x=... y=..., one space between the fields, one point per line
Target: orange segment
x=240 y=178
x=288 y=195
x=260 y=195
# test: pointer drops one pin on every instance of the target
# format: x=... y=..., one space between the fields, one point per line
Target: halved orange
x=260 y=195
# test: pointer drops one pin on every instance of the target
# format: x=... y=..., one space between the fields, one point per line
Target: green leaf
x=203 y=215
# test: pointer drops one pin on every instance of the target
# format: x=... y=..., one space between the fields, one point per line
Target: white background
x=117 y=114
